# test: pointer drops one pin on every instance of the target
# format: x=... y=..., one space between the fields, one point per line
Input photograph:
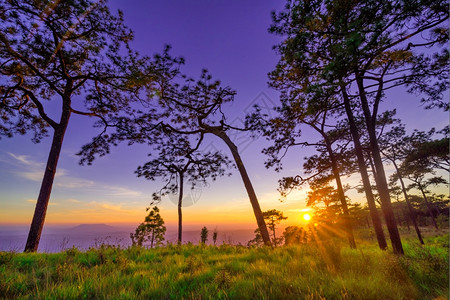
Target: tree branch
x=40 y=108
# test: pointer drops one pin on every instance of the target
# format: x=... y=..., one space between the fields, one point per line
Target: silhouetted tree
x=152 y=230
x=414 y=162
x=395 y=147
x=178 y=161
x=431 y=152
x=360 y=215
x=416 y=174
x=326 y=202
x=204 y=235
x=400 y=207
x=358 y=50
x=187 y=108
x=74 y=53
x=273 y=218
x=285 y=130
x=294 y=235
x=257 y=241
x=197 y=108
x=215 y=236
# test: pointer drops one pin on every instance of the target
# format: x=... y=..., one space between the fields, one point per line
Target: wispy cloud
x=25 y=160
x=73 y=201
x=31 y=175
x=122 y=191
x=34 y=201
x=108 y=206
x=32 y=170
x=73 y=182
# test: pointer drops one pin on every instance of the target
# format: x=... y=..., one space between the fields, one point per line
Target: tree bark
x=40 y=211
x=248 y=186
x=180 y=203
x=364 y=175
x=412 y=213
x=340 y=189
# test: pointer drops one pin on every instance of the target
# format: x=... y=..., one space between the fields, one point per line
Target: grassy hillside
x=312 y=271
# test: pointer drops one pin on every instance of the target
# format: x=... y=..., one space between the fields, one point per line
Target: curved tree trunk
x=340 y=189
x=412 y=213
x=248 y=186
x=364 y=175
x=180 y=204
x=40 y=211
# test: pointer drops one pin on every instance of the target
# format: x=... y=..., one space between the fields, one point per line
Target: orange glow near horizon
x=108 y=214
x=74 y=211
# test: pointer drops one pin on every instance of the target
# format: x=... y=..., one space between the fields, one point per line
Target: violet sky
x=231 y=40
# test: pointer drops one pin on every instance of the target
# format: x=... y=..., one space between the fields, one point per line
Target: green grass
x=326 y=271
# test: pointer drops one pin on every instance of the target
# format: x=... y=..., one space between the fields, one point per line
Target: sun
x=307 y=217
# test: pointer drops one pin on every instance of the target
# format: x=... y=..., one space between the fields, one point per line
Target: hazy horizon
x=57 y=238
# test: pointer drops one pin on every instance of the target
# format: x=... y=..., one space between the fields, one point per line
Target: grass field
x=324 y=271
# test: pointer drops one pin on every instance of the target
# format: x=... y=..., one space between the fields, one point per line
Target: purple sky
x=230 y=39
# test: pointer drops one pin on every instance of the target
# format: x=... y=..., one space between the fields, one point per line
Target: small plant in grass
x=193 y=264
x=6 y=257
x=222 y=278
x=71 y=252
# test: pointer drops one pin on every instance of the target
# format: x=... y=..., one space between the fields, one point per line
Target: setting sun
x=307 y=217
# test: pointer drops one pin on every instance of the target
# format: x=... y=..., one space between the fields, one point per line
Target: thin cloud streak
x=34 y=202
x=25 y=160
x=34 y=173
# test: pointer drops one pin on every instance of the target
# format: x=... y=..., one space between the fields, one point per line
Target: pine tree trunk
x=412 y=213
x=248 y=186
x=383 y=191
x=180 y=204
x=380 y=176
x=340 y=189
x=40 y=211
x=364 y=175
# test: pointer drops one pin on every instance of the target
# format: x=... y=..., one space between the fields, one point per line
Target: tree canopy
x=151 y=232
x=353 y=53
x=74 y=53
